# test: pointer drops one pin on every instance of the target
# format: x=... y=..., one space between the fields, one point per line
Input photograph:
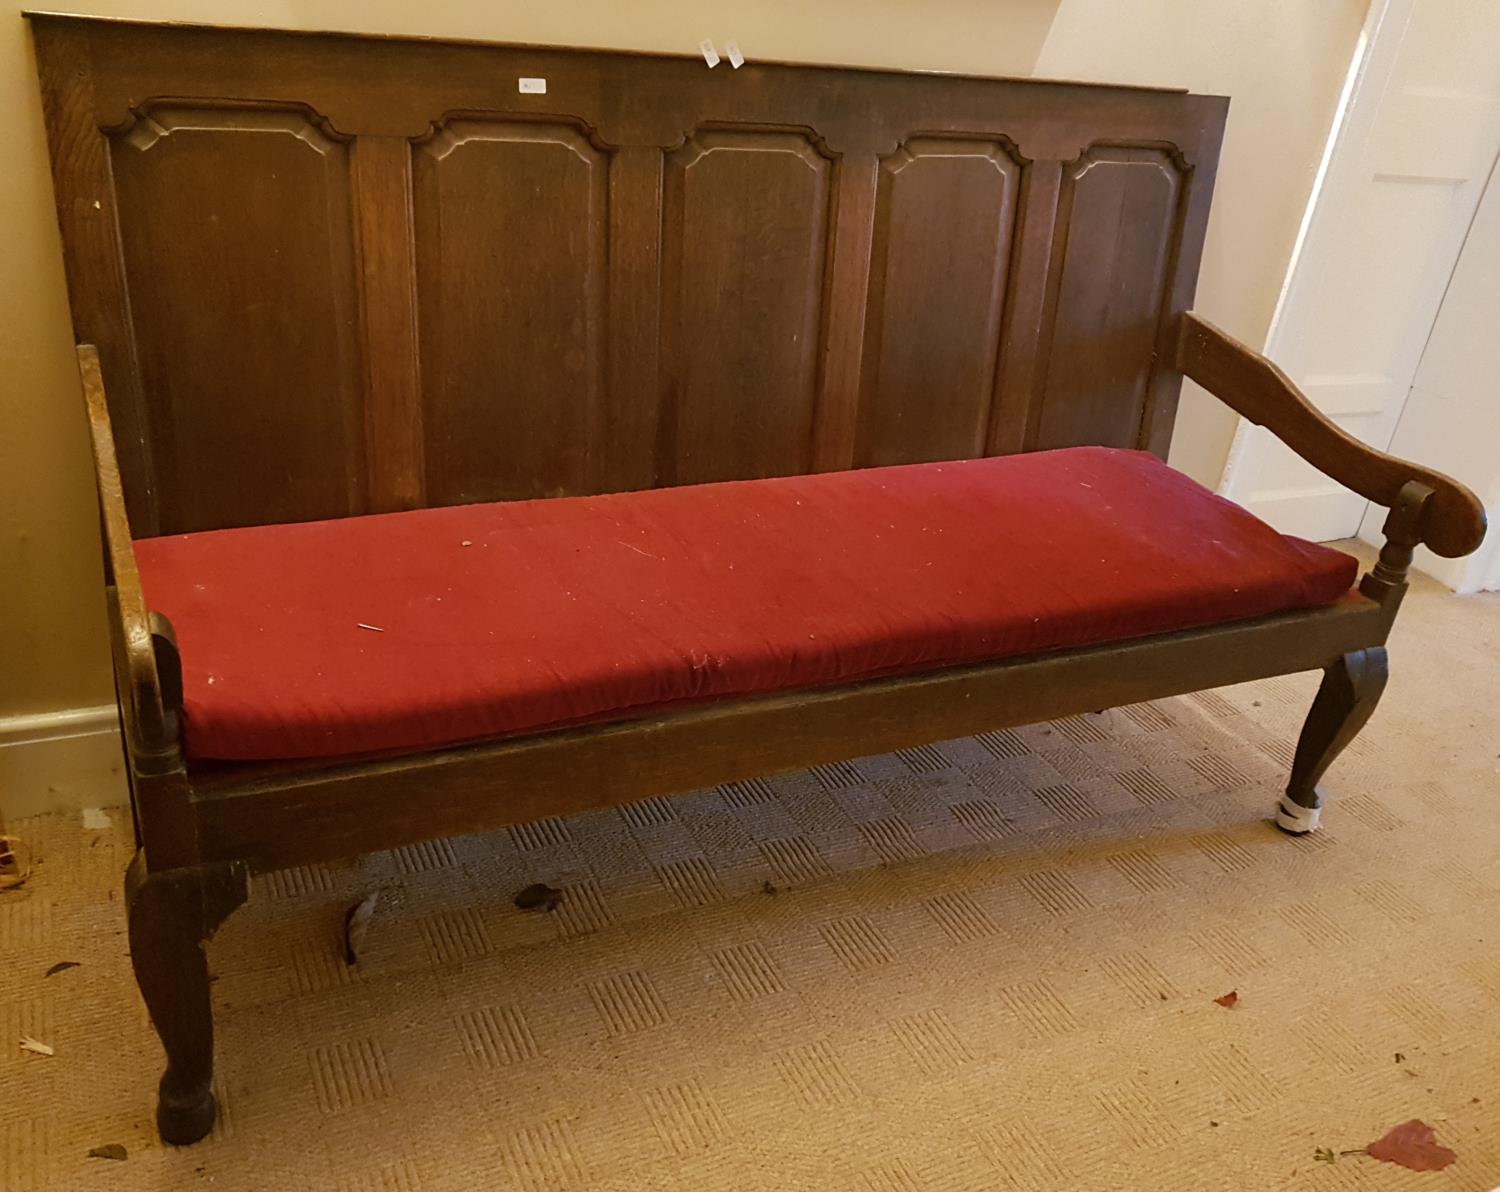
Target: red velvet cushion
x=505 y=618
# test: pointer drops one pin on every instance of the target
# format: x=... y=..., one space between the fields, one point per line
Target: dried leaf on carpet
x=357 y=926
x=110 y=1150
x=538 y=897
x=1413 y=1145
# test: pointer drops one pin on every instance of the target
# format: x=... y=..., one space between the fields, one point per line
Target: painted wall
x=1282 y=61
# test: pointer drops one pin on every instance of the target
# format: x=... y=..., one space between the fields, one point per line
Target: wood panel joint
x=381 y=168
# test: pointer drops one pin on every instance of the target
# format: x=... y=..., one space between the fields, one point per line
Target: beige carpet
x=986 y=964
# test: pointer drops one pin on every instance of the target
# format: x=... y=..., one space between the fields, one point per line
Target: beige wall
x=1283 y=63
x=1282 y=60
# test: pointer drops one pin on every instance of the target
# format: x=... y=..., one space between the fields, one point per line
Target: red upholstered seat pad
x=513 y=617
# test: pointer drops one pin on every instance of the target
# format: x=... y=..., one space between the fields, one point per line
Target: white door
x=1451 y=419
x=1406 y=164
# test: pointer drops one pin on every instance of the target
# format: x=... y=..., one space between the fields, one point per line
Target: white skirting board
x=61 y=761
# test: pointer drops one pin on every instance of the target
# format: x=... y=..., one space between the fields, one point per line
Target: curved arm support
x=1451 y=521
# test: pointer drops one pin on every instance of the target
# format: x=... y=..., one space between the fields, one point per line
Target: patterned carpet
x=990 y=963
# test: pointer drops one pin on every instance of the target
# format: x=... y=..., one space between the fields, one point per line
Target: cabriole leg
x=172 y=914
x=1351 y=689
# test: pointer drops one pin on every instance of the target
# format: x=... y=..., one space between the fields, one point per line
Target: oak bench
x=486 y=433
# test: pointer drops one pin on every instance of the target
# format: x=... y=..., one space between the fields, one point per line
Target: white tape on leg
x=1295 y=818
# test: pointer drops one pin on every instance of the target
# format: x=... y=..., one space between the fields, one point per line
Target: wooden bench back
x=332 y=275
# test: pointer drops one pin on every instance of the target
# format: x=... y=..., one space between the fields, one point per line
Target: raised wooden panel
x=945 y=218
x=745 y=232
x=1117 y=235
x=239 y=265
x=368 y=273
x=511 y=239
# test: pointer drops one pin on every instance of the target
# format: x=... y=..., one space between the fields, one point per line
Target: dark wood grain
x=939 y=278
x=394 y=448
x=844 y=312
x=634 y=350
x=512 y=222
x=1351 y=688
x=1114 y=243
x=238 y=237
x=148 y=676
x=366 y=274
x=1452 y=521
x=1027 y=336
x=141 y=685
x=88 y=220
x=743 y=276
x=171 y=913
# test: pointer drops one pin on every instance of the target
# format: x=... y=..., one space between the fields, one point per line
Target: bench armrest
x=147 y=670
x=1451 y=521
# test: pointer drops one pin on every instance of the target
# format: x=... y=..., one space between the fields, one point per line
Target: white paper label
x=710 y=55
x=533 y=86
x=732 y=52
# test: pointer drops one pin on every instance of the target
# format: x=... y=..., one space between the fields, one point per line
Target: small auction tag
x=533 y=86
x=710 y=55
x=732 y=52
